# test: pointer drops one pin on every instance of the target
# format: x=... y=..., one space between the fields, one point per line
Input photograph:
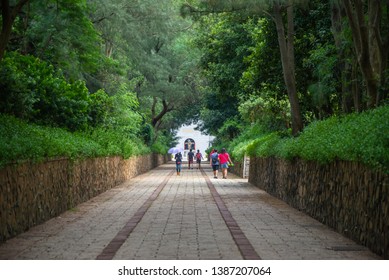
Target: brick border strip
x=246 y=249
x=111 y=249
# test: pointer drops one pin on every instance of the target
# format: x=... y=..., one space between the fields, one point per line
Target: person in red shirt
x=199 y=157
x=224 y=159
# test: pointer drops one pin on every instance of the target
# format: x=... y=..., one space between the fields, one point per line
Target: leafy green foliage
x=36 y=92
x=60 y=31
x=91 y=64
x=265 y=107
x=122 y=73
x=100 y=107
x=115 y=142
x=147 y=39
x=16 y=86
x=21 y=141
x=223 y=42
x=262 y=62
x=230 y=129
x=238 y=146
x=356 y=137
x=159 y=146
x=263 y=146
x=323 y=61
x=105 y=125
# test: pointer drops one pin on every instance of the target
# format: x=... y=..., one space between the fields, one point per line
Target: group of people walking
x=216 y=160
x=191 y=156
x=221 y=160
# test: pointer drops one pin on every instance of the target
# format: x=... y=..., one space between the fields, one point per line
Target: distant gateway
x=189 y=138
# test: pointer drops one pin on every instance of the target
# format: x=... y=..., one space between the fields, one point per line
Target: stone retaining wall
x=33 y=193
x=347 y=196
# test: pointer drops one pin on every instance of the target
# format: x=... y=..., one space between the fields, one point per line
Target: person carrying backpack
x=214 y=161
x=190 y=158
x=178 y=158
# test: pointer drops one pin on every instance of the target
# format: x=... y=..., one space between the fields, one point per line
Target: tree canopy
x=144 y=68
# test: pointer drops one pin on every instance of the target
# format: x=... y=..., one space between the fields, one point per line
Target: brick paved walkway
x=159 y=215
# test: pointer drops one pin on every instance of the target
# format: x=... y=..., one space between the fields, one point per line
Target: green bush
x=17 y=85
x=360 y=137
x=20 y=141
x=114 y=142
x=33 y=90
x=247 y=143
x=100 y=106
x=160 y=146
x=357 y=137
x=264 y=146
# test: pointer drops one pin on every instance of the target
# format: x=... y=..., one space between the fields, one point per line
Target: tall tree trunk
x=6 y=26
x=286 y=44
x=25 y=41
x=367 y=43
x=156 y=119
x=8 y=16
x=344 y=68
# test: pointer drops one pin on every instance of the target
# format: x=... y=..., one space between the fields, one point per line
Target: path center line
x=110 y=250
x=246 y=249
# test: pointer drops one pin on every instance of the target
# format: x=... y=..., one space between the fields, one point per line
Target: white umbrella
x=174 y=150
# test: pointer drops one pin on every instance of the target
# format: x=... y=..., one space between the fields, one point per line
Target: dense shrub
x=32 y=90
x=41 y=99
x=159 y=145
x=360 y=137
x=357 y=137
x=20 y=141
x=17 y=86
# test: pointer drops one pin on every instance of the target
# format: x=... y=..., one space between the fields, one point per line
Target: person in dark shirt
x=214 y=161
x=190 y=159
x=178 y=158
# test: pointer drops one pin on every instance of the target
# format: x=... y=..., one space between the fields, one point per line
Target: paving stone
x=183 y=221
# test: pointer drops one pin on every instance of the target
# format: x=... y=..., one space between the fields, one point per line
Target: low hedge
x=20 y=141
x=362 y=137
